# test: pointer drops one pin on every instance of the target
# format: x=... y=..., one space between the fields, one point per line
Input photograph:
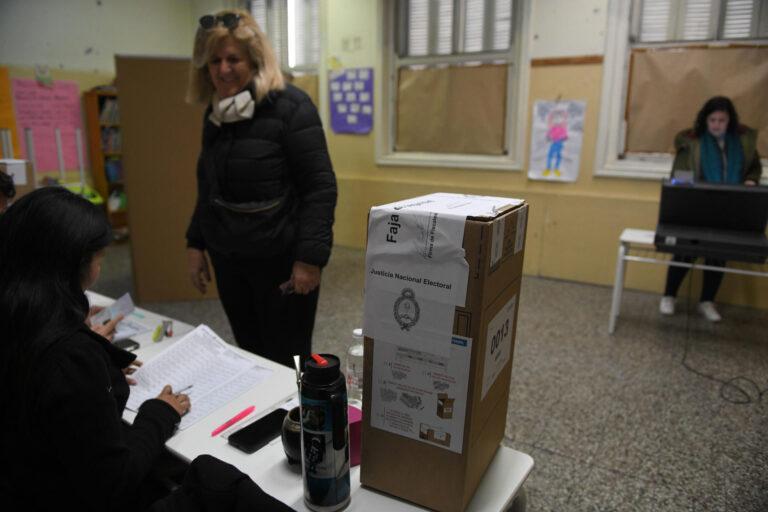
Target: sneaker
x=667 y=305
x=707 y=309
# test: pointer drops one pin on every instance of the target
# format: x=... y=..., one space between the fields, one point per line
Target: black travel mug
x=324 y=434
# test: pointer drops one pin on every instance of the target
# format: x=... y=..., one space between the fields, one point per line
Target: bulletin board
x=7 y=118
x=44 y=109
x=454 y=109
x=161 y=143
x=667 y=87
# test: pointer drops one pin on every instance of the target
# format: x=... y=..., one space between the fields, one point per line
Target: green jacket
x=688 y=154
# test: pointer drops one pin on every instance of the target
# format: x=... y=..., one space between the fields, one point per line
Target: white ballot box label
x=522 y=217
x=497 y=241
x=416 y=274
x=420 y=395
x=498 y=343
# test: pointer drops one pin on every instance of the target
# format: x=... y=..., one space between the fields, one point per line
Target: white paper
x=122 y=306
x=409 y=320
x=17 y=170
x=127 y=328
x=410 y=386
x=416 y=273
x=497 y=240
x=557 y=134
x=215 y=370
x=522 y=218
x=498 y=343
x=456 y=204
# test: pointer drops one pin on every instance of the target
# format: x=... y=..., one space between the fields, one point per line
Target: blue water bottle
x=324 y=434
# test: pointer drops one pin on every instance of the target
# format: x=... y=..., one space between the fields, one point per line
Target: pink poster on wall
x=43 y=109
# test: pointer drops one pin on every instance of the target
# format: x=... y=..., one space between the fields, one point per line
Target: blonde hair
x=248 y=35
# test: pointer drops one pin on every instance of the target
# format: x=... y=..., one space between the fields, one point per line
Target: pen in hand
x=185 y=388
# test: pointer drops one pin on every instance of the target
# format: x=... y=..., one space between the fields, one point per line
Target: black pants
x=712 y=278
x=263 y=320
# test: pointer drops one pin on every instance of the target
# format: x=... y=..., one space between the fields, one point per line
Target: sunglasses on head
x=229 y=20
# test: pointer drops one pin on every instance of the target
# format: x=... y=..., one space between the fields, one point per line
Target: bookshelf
x=102 y=114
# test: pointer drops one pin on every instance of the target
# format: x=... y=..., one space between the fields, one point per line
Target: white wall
x=566 y=28
x=86 y=34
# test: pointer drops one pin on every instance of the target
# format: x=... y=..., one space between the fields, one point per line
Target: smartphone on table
x=259 y=433
x=127 y=344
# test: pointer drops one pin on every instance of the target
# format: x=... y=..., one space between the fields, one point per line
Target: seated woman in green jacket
x=718 y=149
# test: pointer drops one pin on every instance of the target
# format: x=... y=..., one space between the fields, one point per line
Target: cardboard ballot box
x=441 y=305
x=22 y=173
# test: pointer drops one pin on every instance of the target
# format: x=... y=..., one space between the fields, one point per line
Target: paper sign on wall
x=351 y=100
x=43 y=109
x=420 y=395
x=556 y=138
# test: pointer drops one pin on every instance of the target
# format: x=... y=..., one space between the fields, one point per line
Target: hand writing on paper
x=197 y=267
x=179 y=401
x=130 y=370
x=304 y=279
x=106 y=330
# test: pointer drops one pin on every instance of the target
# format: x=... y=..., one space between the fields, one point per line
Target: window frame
x=284 y=31
x=518 y=78
x=611 y=161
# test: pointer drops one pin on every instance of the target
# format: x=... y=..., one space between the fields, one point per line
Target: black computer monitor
x=714 y=206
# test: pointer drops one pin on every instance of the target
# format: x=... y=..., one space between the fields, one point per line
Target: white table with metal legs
x=501 y=484
x=642 y=240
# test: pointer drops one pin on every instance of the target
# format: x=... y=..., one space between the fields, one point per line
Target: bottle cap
x=357 y=333
x=321 y=369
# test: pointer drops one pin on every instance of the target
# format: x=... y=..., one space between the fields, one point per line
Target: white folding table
x=642 y=241
x=269 y=467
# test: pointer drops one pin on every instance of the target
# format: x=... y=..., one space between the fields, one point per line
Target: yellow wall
x=573 y=229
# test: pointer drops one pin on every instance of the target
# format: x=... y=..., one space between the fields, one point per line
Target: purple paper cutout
x=351 y=99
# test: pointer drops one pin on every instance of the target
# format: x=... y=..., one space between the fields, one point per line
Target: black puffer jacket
x=277 y=160
x=66 y=447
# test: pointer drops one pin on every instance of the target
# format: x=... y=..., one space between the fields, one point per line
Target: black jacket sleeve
x=194 y=232
x=104 y=462
x=315 y=183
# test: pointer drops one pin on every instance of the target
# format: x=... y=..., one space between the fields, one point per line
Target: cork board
x=161 y=142
x=668 y=87
x=456 y=109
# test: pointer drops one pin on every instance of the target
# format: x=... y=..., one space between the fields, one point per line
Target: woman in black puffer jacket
x=266 y=190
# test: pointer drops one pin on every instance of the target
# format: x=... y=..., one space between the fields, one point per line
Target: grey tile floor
x=612 y=422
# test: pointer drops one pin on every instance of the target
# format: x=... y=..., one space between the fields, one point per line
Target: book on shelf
x=110 y=112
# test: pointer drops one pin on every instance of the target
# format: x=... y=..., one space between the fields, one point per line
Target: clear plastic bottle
x=355 y=369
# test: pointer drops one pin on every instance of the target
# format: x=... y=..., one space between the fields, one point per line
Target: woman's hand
x=197 y=266
x=750 y=183
x=179 y=401
x=304 y=279
x=130 y=370
x=106 y=330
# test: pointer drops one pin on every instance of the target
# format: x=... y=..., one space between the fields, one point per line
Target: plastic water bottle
x=355 y=368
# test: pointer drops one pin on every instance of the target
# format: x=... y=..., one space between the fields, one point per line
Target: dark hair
x=47 y=241
x=7 y=187
x=716 y=104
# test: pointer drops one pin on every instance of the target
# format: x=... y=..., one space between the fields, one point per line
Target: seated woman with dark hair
x=63 y=444
x=718 y=149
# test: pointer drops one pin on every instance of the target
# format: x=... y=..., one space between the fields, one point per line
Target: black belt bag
x=245 y=227
x=255 y=220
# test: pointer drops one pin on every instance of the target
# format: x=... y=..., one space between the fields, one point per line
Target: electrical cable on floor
x=725 y=384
